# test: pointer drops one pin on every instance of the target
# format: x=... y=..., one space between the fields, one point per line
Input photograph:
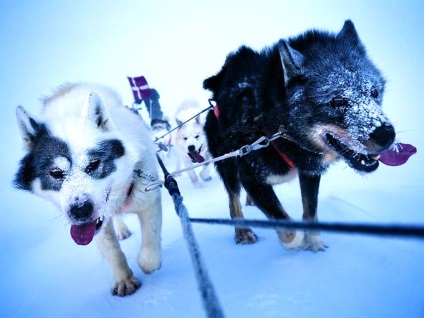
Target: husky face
x=78 y=165
x=346 y=91
x=190 y=139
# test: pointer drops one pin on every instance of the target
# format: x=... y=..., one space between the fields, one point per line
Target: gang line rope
x=210 y=300
x=393 y=230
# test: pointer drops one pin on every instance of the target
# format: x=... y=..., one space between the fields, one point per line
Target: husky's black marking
x=322 y=90
x=39 y=162
x=102 y=159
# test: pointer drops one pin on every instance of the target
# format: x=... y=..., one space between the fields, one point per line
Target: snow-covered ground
x=177 y=45
x=47 y=275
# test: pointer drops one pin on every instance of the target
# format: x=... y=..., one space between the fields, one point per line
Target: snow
x=176 y=46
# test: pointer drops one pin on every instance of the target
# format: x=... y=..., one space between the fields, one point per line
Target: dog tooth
x=376 y=157
x=363 y=162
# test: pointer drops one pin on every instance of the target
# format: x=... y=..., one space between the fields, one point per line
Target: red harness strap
x=216 y=111
x=283 y=155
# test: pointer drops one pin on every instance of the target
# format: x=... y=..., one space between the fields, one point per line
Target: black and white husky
x=93 y=158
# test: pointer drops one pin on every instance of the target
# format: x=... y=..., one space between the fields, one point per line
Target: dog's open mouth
x=84 y=233
x=358 y=161
x=195 y=156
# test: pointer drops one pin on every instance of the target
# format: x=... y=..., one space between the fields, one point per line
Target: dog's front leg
x=125 y=282
x=309 y=186
x=150 y=218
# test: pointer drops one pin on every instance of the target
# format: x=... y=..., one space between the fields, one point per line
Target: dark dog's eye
x=339 y=101
x=185 y=138
x=57 y=174
x=197 y=136
x=374 y=92
x=92 y=166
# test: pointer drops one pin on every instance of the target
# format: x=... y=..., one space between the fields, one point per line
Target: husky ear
x=291 y=61
x=179 y=122
x=28 y=127
x=95 y=111
x=348 y=33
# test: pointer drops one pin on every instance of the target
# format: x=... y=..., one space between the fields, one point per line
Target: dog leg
x=228 y=172
x=309 y=186
x=191 y=173
x=121 y=229
x=150 y=218
x=125 y=282
x=266 y=200
x=205 y=173
x=249 y=201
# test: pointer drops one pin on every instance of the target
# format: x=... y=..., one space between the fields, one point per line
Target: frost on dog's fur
x=82 y=154
x=323 y=93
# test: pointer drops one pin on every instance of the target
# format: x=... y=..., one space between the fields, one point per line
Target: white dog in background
x=87 y=155
x=190 y=141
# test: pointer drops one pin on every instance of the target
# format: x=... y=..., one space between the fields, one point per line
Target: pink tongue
x=196 y=157
x=399 y=155
x=83 y=234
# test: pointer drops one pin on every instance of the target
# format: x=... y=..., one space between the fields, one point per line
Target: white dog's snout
x=81 y=207
x=81 y=210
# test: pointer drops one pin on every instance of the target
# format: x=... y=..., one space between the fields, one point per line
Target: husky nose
x=191 y=148
x=81 y=212
x=384 y=136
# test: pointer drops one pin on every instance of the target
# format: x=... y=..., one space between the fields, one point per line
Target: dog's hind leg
x=150 y=218
x=309 y=186
x=125 y=282
x=121 y=229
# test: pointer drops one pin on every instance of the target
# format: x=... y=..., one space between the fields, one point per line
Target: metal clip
x=258 y=144
x=245 y=150
x=142 y=174
x=261 y=143
x=153 y=186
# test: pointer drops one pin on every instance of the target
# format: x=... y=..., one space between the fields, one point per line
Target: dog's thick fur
x=322 y=92
x=82 y=155
x=190 y=140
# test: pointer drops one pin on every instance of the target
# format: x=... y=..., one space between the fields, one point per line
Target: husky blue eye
x=92 y=166
x=339 y=101
x=57 y=174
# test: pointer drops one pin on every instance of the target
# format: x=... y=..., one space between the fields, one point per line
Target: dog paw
x=312 y=242
x=122 y=235
x=245 y=236
x=121 y=229
x=149 y=262
x=126 y=287
x=291 y=240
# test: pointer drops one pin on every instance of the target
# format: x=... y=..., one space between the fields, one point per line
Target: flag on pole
x=140 y=88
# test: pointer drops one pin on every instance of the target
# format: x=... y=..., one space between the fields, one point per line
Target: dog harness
x=279 y=151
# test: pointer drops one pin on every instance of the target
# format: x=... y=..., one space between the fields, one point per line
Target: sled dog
x=87 y=154
x=190 y=141
x=322 y=94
